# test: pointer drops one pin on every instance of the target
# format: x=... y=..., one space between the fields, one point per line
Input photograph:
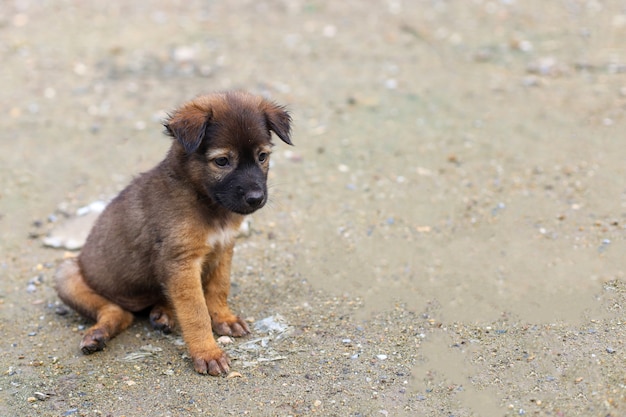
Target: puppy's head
x=223 y=142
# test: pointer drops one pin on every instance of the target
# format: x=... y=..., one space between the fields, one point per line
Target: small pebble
x=523 y=45
x=20 y=20
x=381 y=357
x=317 y=403
x=38 y=280
x=61 y=310
x=391 y=84
x=184 y=54
x=610 y=350
x=41 y=396
x=234 y=374
x=80 y=68
x=224 y=340
x=329 y=31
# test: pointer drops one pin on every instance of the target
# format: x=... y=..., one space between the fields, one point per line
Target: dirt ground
x=447 y=237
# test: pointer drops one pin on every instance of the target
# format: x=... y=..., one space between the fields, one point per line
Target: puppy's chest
x=221 y=237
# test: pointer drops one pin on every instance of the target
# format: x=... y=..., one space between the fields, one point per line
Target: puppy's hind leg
x=162 y=317
x=110 y=318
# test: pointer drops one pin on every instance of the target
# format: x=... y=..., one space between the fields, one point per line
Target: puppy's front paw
x=235 y=327
x=214 y=363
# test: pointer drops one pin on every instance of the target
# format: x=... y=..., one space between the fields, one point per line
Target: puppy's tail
x=74 y=291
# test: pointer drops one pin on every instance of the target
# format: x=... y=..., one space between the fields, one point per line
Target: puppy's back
x=116 y=260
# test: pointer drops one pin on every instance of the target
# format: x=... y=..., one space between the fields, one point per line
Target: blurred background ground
x=446 y=238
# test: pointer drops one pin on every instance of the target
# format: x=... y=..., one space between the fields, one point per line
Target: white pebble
x=80 y=68
x=330 y=31
x=20 y=20
x=224 y=340
x=49 y=92
x=184 y=54
x=391 y=83
x=525 y=46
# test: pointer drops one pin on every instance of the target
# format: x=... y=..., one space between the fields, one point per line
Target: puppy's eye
x=263 y=156
x=221 y=161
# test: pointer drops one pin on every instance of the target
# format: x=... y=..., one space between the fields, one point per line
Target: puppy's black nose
x=254 y=198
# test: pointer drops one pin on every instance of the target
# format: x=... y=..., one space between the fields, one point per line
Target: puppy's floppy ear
x=188 y=126
x=278 y=120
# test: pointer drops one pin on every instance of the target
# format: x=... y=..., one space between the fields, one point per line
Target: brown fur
x=166 y=241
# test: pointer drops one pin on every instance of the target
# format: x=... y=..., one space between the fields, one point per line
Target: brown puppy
x=166 y=241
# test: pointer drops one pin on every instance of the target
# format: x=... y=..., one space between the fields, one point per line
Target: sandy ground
x=446 y=238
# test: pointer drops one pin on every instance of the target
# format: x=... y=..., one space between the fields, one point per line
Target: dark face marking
x=237 y=158
x=243 y=190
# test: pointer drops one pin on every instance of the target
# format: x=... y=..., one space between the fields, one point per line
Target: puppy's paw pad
x=212 y=365
x=236 y=328
x=93 y=341
x=161 y=320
